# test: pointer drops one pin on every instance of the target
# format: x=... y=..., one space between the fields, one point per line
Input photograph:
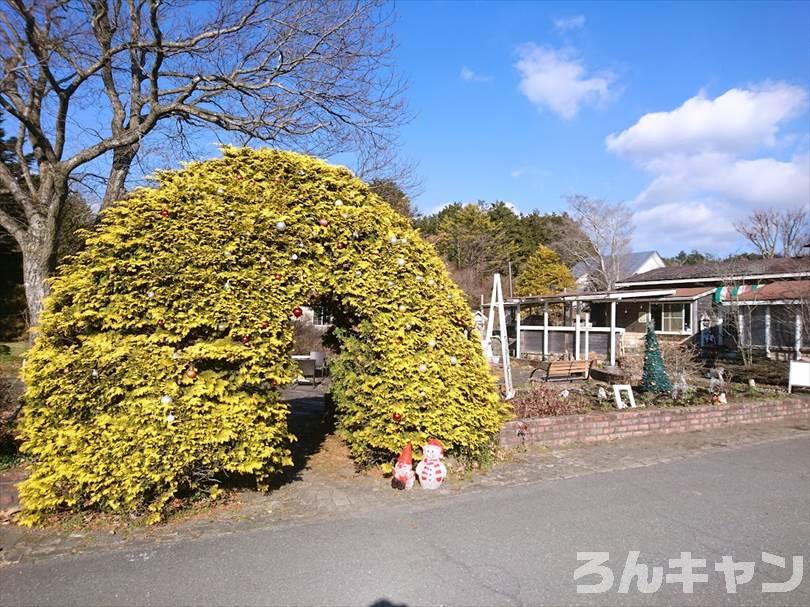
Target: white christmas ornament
x=220 y=191
x=151 y=294
x=431 y=344
x=401 y=261
x=453 y=360
x=338 y=202
x=402 y=307
x=431 y=282
x=420 y=278
x=293 y=256
x=281 y=226
x=393 y=240
x=170 y=418
x=94 y=373
x=423 y=367
x=166 y=400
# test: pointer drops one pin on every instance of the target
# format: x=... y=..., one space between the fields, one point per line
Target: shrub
x=544 y=400
x=164 y=342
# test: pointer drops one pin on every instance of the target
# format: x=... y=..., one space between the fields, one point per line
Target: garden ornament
x=403 y=470
x=431 y=471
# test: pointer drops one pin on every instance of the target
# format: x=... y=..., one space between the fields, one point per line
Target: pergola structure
x=576 y=329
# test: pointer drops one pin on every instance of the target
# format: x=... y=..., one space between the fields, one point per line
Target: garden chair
x=307 y=368
x=320 y=362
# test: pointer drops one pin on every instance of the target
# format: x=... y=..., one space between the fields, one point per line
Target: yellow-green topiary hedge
x=159 y=357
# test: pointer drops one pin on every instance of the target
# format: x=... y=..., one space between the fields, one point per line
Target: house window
x=321 y=316
x=671 y=318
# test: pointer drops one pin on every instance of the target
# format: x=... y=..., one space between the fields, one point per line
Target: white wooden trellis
x=496 y=306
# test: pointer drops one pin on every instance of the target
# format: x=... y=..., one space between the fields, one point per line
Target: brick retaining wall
x=598 y=426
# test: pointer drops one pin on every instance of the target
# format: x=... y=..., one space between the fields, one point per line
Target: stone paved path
x=328 y=488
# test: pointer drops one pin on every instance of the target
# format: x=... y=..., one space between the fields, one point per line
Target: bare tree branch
x=305 y=74
x=607 y=228
x=774 y=232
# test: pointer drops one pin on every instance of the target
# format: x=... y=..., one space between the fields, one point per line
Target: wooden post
x=612 y=337
x=545 y=330
x=517 y=332
x=767 y=330
x=587 y=332
x=576 y=336
x=798 y=336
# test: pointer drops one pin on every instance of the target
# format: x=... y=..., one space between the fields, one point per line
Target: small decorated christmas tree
x=655 y=378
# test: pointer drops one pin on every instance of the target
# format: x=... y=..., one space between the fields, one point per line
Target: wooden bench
x=563 y=370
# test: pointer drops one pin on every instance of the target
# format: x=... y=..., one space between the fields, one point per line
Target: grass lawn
x=11 y=356
x=11 y=353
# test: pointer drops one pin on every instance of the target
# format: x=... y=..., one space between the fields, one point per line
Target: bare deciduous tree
x=774 y=232
x=608 y=228
x=310 y=75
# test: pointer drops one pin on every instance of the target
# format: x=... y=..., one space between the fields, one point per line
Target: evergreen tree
x=544 y=273
x=655 y=378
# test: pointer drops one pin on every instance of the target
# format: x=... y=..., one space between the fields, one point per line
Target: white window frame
x=320 y=313
x=686 y=307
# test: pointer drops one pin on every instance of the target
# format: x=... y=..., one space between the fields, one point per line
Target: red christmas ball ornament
x=164 y=213
x=278 y=277
x=265 y=324
x=245 y=339
x=297 y=312
x=191 y=372
x=341 y=245
x=397 y=417
x=323 y=223
x=161 y=323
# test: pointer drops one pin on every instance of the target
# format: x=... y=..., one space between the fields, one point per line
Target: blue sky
x=692 y=113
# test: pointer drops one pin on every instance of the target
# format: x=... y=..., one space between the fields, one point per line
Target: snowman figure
x=403 y=470
x=431 y=471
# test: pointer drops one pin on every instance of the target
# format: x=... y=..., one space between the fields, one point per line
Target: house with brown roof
x=760 y=304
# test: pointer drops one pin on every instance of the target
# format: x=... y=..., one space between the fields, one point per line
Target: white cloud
x=709 y=165
x=689 y=224
x=566 y=24
x=468 y=75
x=739 y=119
x=557 y=79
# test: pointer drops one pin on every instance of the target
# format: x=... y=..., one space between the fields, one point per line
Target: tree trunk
x=122 y=161
x=36 y=255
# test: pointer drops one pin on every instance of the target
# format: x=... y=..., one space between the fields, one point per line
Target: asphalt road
x=515 y=546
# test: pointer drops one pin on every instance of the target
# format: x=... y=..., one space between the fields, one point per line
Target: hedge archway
x=163 y=343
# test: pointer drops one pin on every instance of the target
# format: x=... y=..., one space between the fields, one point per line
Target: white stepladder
x=496 y=305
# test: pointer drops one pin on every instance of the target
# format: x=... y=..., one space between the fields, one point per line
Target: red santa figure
x=403 y=470
x=431 y=471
